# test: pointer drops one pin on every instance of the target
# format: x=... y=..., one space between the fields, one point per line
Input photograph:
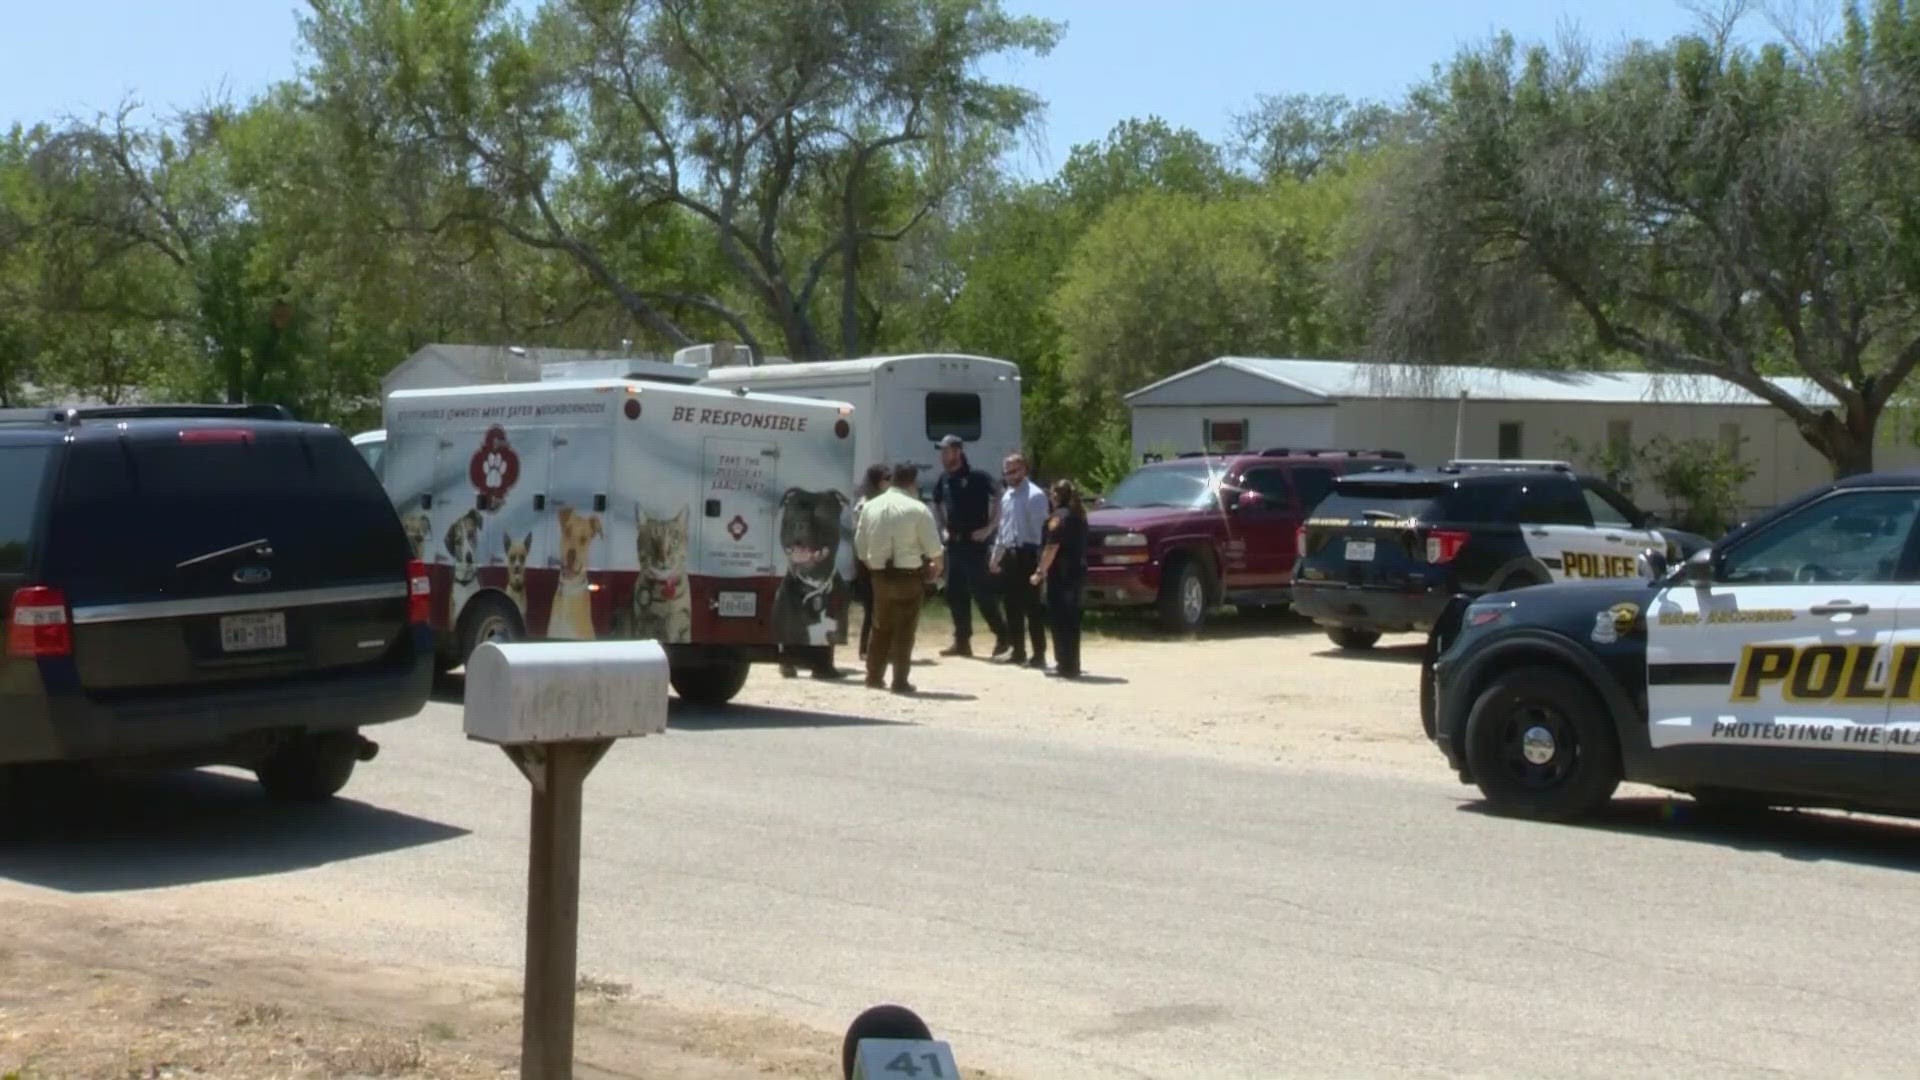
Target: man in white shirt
x=1016 y=553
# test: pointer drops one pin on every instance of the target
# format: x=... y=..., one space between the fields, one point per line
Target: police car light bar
x=1529 y=464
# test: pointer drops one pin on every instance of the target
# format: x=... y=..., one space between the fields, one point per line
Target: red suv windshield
x=1180 y=487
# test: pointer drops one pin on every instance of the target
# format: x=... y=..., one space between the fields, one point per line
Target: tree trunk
x=1847 y=444
x=849 y=273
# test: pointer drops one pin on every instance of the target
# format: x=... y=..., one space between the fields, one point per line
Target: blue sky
x=1193 y=62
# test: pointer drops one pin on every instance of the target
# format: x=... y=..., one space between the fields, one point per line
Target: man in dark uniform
x=968 y=510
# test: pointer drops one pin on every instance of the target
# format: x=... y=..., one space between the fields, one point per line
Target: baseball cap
x=951 y=440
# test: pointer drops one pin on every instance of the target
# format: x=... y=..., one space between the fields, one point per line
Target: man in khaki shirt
x=896 y=538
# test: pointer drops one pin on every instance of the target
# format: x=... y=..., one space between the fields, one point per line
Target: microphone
x=891 y=1042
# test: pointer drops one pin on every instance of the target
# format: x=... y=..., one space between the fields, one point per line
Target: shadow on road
x=1800 y=836
x=1392 y=654
x=740 y=717
x=1143 y=625
x=154 y=830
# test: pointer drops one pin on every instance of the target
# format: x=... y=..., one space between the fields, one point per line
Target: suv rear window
x=1429 y=500
x=23 y=473
x=130 y=511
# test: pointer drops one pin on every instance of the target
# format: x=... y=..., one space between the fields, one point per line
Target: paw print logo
x=494 y=467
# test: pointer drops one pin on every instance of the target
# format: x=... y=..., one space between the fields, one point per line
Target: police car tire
x=1353 y=637
x=1595 y=772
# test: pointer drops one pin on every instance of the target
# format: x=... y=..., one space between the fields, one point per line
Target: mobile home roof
x=1334 y=380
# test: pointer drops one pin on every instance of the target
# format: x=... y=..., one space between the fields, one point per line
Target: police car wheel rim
x=1531 y=728
x=1536 y=745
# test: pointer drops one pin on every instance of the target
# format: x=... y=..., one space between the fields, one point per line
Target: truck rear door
x=737 y=533
x=222 y=556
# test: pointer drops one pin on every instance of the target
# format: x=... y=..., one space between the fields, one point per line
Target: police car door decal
x=1756 y=665
x=1798 y=645
x=1555 y=524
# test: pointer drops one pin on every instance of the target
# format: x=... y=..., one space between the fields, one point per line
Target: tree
x=1298 y=135
x=1703 y=207
x=604 y=124
x=1142 y=155
x=1165 y=281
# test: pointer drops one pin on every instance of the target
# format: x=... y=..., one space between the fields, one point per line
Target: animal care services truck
x=709 y=520
x=907 y=403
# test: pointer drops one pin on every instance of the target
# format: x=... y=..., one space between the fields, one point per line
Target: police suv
x=1386 y=551
x=1778 y=667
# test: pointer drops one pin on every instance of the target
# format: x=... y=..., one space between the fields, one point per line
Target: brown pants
x=898 y=596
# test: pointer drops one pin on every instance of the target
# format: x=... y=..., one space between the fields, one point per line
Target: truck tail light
x=37 y=624
x=1300 y=541
x=419 y=594
x=1444 y=544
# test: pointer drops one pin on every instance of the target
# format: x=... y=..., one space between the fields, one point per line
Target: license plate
x=739 y=605
x=1359 y=551
x=253 y=632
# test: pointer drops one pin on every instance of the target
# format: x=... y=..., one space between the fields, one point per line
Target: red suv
x=1200 y=530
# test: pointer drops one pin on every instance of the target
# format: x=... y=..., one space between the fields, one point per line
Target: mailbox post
x=555 y=708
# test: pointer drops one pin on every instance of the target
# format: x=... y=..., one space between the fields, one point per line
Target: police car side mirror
x=1699 y=567
x=1653 y=564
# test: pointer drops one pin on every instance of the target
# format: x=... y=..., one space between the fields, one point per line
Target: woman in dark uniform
x=1063 y=570
x=863 y=581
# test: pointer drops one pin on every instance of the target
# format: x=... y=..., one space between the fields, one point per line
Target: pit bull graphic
x=813 y=594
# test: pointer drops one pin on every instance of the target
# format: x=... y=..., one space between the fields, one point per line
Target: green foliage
x=1700 y=480
x=1699 y=206
x=1164 y=281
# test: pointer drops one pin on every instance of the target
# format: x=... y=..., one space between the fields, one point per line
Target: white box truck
x=712 y=521
x=907 y=403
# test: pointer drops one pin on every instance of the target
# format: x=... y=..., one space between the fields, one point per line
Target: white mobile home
x=1437 y=413
x=910 y=402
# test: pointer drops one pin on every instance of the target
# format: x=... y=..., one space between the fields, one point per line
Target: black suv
x=202 y=585
x=1384 y=552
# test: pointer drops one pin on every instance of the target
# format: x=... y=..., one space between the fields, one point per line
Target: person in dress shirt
x=897 y=539
x=1016 y=555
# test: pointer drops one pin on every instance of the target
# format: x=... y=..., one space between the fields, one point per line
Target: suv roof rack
x=1508 y=464
x=1323 y=451
x=73 y=414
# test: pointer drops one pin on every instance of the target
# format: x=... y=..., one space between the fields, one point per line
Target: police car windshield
x=1184 y=487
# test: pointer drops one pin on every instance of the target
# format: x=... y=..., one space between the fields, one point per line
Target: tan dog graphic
x=572 y=617
x=517 y=570
x=419 y=529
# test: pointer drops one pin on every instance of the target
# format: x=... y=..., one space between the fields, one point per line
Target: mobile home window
x=1509 y=439
x=953 y=414
x=1224 y=436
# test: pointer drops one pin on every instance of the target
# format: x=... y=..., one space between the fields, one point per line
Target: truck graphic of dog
x=812 y=589
x=517 y=551
x=463 y=545
x=572 y=615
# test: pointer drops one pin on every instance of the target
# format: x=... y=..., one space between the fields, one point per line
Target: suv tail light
x=1300 y=541
x=37 y=624
x=1444 y=544
x=419 y=593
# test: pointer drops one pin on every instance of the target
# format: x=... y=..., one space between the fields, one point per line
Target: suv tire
x=709 y=682
x=1539 y=745
x=308 y=770
x=487 y=618
x=1185 y=596
x=1353 y=638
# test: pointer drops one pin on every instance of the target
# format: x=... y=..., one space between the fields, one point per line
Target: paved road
x=1062 y=907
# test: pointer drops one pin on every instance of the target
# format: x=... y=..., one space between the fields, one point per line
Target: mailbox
x=528 y=693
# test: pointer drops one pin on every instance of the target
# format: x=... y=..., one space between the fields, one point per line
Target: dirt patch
x=1263 y=688
x=99 y=996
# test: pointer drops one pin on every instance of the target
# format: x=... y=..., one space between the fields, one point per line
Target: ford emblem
x=253 y=575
